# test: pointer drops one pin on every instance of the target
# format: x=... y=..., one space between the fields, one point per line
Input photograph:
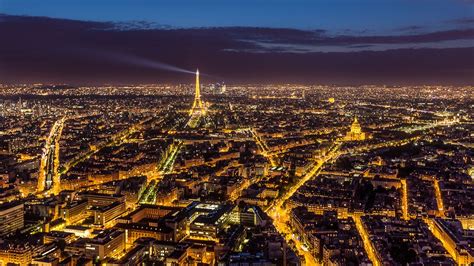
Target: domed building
x=355 y=134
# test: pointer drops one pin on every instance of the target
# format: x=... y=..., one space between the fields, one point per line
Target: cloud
x=240 y=54
x=308 y=43
x=462 y=21
x=410 y=29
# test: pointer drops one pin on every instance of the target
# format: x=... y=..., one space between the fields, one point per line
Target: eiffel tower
x=198 y=109
x=197 y=104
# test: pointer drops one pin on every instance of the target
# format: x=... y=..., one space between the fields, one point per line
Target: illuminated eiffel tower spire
x=197 y=104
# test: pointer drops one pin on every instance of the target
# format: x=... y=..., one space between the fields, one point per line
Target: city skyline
x=180 y=168
x=225 y=133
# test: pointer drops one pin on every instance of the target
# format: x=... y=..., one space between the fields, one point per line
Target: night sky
x=318 y=41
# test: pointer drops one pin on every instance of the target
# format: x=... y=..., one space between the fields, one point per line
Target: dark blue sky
x=374 y=16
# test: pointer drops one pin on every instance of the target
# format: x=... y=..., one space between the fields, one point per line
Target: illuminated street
x=439 y=198
x=48 y=176
x=280 y=215
x=404 y=199
x=365 y=237
x=263 y=147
